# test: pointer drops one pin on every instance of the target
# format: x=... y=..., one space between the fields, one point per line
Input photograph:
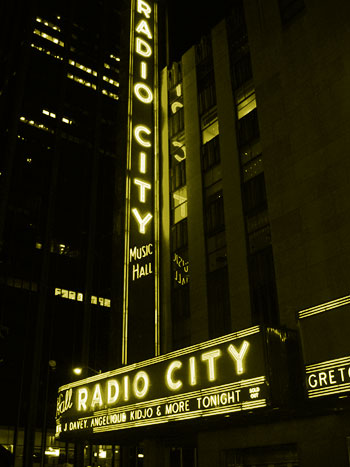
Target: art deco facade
x=258 y=117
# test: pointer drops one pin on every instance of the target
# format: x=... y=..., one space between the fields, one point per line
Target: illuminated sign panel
x=324 y=333
x=140 y=302
x=216 y=377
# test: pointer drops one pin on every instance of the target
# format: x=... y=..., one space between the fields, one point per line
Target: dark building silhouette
x=60 y=86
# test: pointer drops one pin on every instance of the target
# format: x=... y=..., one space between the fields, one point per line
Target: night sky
x=189 y=19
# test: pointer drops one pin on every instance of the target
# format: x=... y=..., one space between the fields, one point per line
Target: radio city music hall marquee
x=220 y=376
x=141 y=213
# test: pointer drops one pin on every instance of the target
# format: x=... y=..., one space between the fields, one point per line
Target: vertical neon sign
x=141 y=260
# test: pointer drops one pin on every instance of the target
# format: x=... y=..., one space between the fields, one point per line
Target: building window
x=178 y=176
x=210 y=154
x=207 y=98
x=248 y=128
x=176 y=122
x=245 y=100
x=179 y=205
x=263 y=288
x=215 y=220
x=290 y=9
x=242 y=71
x=179 y=235
x=254 y=194
x=218 y=303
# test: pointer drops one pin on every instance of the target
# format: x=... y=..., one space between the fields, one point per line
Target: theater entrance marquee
x=216 y=377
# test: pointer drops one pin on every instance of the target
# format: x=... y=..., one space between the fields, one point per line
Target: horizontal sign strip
x=228 y=398
x=328 y=364
x=178 y=398
x=339 y=388
x=324 y=307
x=178 y=353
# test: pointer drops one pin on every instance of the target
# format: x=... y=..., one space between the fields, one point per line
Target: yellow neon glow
x=144 y=378
x=97 y=397
x=156 y=190
x=126 y=388
x=143 y=187
x=82 y=398
x=143 y=70
x=173 y=385
x=112 y=391
x=143 y=28
x=193 y=371
x=142 y=222
x=324 y=307
x=238 y=356
x=143 y=93
x=139 y=131
x=171 y=355
x=175 y=106
x=142 y=162
x=328 y=364
x=143 y=48
x=213 y=409
x=144 y=8
x=210 y=358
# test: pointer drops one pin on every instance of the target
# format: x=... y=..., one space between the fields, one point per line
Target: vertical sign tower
x=141 y=262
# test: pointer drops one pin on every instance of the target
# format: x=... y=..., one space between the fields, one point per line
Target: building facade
x=258 y=212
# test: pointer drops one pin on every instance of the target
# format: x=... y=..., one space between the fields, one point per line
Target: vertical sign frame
x=141 y=330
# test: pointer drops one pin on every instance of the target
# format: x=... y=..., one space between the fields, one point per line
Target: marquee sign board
x=220 y=376
x=324 y=331
x=141 y=296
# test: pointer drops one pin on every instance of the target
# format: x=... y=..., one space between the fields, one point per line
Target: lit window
x=245 y=101
x=47 y=52
x=111 y=81
x=210 y=132
x=82 y=67
x=81 y=81
x=48 y=24
x=48 y=37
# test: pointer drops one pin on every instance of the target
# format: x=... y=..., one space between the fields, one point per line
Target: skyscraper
x=59 y=119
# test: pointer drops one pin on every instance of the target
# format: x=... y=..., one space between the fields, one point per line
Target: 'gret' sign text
x=220 y=376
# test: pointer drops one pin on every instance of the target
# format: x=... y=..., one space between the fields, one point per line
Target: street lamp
x=79 y=369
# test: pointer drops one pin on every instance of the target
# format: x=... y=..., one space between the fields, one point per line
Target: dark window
x=242 y=71
x=290 y=9
x=178 y=175
x=176 y=122
x=215 y=220
x=211 y=153
x=248 y=128
x=254 y=194
x=218 y=303
x=263 y=287
x=207 y=98
x=179 y=235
